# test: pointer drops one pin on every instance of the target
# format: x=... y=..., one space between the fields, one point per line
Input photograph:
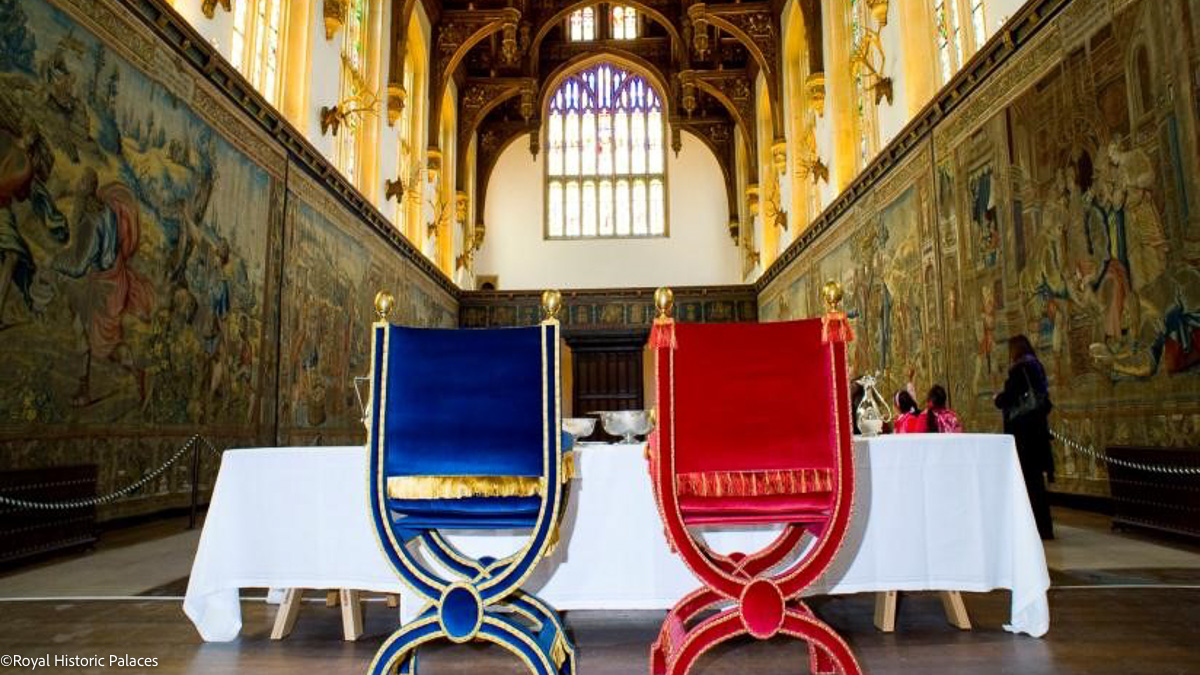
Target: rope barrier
x=1088 y=451
x=116 y=494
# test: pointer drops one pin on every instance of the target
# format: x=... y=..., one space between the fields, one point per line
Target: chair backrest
x=755 y=398
x=465 y=402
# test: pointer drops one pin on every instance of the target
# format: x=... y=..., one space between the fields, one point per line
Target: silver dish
x=628 y=424
x=579 y=427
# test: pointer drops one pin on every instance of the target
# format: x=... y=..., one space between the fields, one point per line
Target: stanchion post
x=195 y=485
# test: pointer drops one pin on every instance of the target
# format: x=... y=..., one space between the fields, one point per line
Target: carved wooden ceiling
x=502 y=55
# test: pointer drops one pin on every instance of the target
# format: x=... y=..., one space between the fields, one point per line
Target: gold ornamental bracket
x=433 y=164
x=752 y=199
x=397 y=98
x=209 y=7
x=879 y=10
x=334 y=12
x=814 y=91
x=779 y=156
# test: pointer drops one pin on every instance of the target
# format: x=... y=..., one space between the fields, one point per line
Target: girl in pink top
x=937 y=418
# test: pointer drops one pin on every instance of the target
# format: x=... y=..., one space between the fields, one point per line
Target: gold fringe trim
x=462 y=487
x=569 y=470
x=558 y=651
x=754 y=483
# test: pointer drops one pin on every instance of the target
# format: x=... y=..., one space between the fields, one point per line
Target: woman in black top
x=1026 y=405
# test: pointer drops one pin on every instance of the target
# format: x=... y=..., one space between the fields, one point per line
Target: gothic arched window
x=957 y=40
x=605 y=158
x=256 y=43
x=582 y=25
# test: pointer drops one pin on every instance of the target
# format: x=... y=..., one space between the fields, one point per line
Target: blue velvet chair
x=465 y=433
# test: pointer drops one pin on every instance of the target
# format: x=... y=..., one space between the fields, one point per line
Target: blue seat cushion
x=469 y=513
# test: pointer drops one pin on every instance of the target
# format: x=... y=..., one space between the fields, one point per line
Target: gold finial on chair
x=384 y=302
x=835 y=325
x=831 y=294
x=551 y=304
x=664 y=302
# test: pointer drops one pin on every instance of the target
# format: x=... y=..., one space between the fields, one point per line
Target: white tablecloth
x=932 y=513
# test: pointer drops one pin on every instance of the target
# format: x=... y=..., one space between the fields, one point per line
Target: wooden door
x=606 y=374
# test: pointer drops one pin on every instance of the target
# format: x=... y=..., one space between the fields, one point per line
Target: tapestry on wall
x=135 y=247
x=1062 y=209
x=329 y=285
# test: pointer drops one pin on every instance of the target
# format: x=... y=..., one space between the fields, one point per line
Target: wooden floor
x=1095 y=631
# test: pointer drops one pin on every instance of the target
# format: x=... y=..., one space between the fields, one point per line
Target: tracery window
x=949 y=39
x=256 y=43
x=404 y=127
x=605 y=159
x=582 y=24
x=624 y=22
x=978 y=24
x=956 y=39
x=864 y=104
x=354 y=85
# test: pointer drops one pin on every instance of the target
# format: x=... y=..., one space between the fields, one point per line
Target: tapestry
x=329 y=285
x=1062 y=205
x=142 y=252
x=136 y=253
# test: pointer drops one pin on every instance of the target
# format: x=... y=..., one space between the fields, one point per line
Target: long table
x=932 y=512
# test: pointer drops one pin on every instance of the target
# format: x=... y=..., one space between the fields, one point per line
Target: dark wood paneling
x=27 y=533
x=611 y=309
x=1157 y=500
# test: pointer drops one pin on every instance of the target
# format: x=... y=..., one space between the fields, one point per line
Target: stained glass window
x=949 y=40
x=256 y=41
x=404 y=127
x=605 y=157
x=864 y=106
x=624 y=22
x=978 y=25
x=581 y=25
x=960 y=29
x=353 y=84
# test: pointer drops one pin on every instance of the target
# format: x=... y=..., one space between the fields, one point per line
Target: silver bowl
x=628 y=424
x=579 y=427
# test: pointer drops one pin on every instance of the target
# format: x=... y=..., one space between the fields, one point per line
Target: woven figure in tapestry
x=754 y=427
x=464 y=433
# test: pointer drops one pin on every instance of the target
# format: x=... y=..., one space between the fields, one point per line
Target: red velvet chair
x=753 y=427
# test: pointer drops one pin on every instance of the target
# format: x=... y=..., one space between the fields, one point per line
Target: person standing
x=1025 y=403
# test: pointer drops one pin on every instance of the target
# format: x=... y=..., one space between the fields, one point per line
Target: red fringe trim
x=835 y=327
x=663 y=334
x=754 y=483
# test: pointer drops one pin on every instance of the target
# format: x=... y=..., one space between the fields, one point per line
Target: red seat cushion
x=810 y=508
